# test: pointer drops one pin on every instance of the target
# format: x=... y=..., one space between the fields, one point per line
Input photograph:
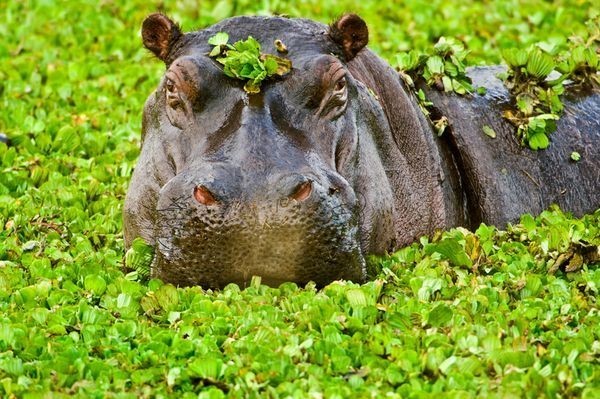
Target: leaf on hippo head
x=219 y=39
x=251 y=87
x=250 y=46
x=244 y=61
x=276 y=65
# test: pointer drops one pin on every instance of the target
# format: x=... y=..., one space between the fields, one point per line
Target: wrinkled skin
x=501 y=179
x=300 y=182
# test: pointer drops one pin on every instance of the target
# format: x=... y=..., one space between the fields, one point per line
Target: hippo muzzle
x=298 y=237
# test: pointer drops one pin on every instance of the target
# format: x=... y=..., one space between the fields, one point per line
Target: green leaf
x=167 y=297
x=447 y=83
x=276 y=65
x=95 y=284
x=409 y=61
x=515 y=57
x=209 y=367
x=575 y=156
x=440 y=316
x=450 y=249
x=243 y=61
x=435 y=65
x=539 y=64
x=219 y=39
x=139 y=257
x=538 y=141
x=489 y=131
x=215 y=51
x=356 y=297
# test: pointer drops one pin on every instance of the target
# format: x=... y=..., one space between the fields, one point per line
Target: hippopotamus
x=328 y=163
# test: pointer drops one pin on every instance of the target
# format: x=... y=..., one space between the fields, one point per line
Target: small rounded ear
x=159 y=34
x=351 y=33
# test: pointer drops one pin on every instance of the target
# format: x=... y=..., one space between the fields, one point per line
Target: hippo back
x=503 y=179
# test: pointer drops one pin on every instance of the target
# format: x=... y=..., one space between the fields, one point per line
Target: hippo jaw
x=231 y=185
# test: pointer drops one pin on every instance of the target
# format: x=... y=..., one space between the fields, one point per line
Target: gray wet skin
x=325 y=165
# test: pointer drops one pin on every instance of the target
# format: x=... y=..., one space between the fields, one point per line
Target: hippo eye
x=335 y=103
x=340 y=85
x=170 y=85
x=173 y=99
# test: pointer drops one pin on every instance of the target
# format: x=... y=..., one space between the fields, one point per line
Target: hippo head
x=286 y=184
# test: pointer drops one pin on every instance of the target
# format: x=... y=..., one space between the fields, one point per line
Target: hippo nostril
x=204 y=196
x=302 y=191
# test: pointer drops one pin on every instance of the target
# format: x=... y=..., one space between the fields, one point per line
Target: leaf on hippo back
x=462 y=86
x=139 y=257
x=435 y=65
x=525 y=104
x=539 y=64
x=514 y=57
x=440 y=125
x=447 y=82
x=488 y=131
x=575 y=156
x=538 y=141
x=450 y=249
x=409 y=61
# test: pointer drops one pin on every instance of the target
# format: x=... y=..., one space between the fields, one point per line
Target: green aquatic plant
x=243 y=60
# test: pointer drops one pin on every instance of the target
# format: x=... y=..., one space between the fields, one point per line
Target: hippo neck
x=421 y=173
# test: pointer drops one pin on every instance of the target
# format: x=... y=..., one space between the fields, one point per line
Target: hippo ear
x=159 y=34
x=351 y=33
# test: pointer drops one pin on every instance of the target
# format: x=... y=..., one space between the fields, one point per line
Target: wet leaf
x=539 y=64
x=219 y=39
x=489 y=131
x=450 y=249
x=139 y=257
x=538 y=141
x=440 y=316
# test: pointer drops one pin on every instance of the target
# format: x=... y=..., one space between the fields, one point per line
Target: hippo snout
x=292 y=228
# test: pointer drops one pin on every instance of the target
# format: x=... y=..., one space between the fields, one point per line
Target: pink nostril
x=204 y=196
x=303 y=191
